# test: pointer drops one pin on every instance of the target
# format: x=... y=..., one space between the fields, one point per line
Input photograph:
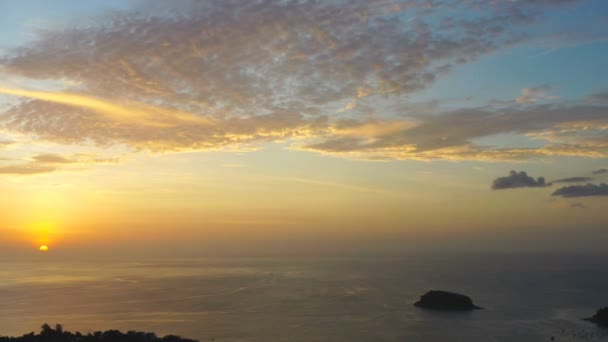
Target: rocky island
x=48 y=334
x=600 y=317
x=443 y=300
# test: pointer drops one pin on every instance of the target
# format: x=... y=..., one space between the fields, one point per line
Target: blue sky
x=20 y=19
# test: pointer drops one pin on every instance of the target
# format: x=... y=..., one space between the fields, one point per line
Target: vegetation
x=48 y=334
x=443 y=300
x=600 y=317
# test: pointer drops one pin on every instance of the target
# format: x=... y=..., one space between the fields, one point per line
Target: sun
x=44 y=248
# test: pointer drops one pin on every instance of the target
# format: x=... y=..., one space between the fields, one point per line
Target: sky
x=278 y=127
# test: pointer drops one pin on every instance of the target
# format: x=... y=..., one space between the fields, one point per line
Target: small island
x=600 y=317
x=48 y=334
x=443 y=300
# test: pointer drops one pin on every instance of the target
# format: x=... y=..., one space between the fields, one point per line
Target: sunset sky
x=275 y=126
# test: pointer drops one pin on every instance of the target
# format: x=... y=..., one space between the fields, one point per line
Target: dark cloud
x=582 y=190
x=518 y=180
x=600 y=171
x=572 y=180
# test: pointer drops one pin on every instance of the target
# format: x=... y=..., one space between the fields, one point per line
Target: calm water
x=527 y=298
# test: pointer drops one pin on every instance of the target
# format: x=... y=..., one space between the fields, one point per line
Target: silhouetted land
x=600 y=317
x=48 y=334
x=443 y=300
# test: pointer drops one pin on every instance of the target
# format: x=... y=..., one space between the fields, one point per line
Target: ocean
x=525 y=297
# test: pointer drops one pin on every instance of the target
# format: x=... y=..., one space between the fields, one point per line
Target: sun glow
x=42 y=234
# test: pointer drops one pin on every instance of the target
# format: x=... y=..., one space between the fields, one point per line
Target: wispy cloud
x=138 y=113
x=26 y=169
x=51 y=159
x=4 y=143
x=582 y=190
x=450 y=135
x=77 y=158
x=535 y=94
x=48 y=162
x=572 y=180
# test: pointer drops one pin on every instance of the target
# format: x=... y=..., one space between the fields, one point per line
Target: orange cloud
x=132 y=112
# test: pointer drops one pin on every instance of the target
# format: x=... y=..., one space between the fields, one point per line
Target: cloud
x=518 y=180
x=578 y=130
x=205 y=75
x=237 y=56
x=572 y=180
x=535 y=94
x=600 y=97
x=128 y=112
x=26 y=169
x=78 y=158
x=51 y=159
x=578 y=205
x=600 y=171
x=582 y=190
x=47 y=163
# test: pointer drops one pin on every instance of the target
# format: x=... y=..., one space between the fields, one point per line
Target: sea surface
x=525 y=297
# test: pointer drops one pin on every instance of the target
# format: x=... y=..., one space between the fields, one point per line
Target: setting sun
x=345 y=170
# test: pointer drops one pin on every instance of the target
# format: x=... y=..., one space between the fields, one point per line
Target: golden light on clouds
x=201 y=121
x=135 y=112
x=44 y=248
